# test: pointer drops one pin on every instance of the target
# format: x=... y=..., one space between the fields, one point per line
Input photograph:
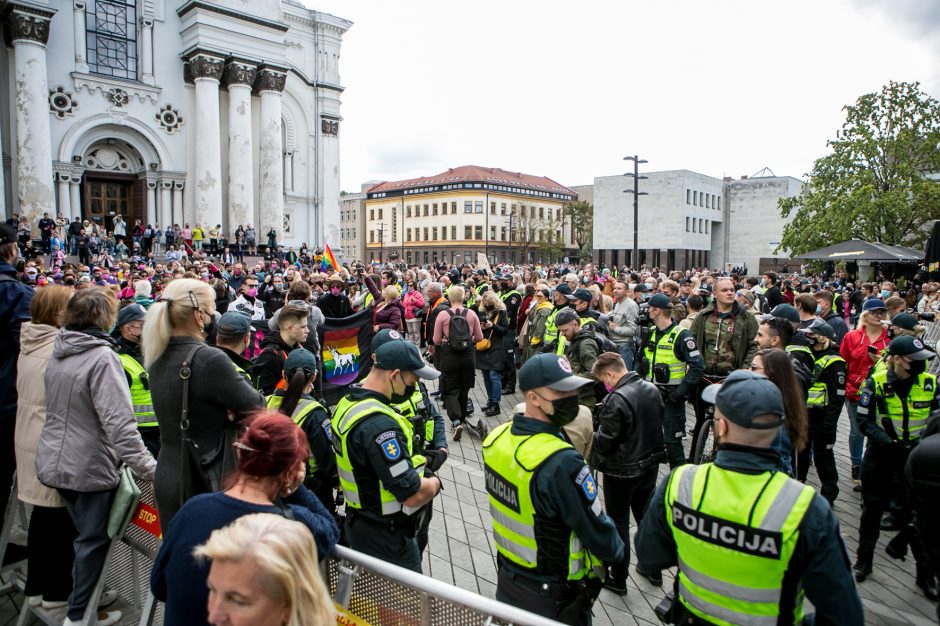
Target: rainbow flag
x=328 y=259
x=346 y=352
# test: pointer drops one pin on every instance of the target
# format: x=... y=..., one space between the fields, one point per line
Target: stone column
x=75 y=200
x=206 y=71
x=269 y=85
x=167 y=215
x=152 y=202
x=146 y=56
x=29 y=32
x=289 y=170
x=239 y=77
x=65 y=198
x=178 y=212
x=78 y=19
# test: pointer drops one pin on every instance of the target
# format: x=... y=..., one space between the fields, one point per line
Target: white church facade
x=195 y=111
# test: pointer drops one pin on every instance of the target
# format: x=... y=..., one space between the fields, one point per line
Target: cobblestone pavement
x=461 y=552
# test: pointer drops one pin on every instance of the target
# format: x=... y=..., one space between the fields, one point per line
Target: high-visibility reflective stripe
x=722 y=588
x=862 y=409
x=516 y=527
x=363 y=407
x=525 y=553
x=388 y=508
x=574 y=567
x=147 y=424
x=782 y=505
x=399 y=468
x=143 y=409
x=714 y=610
x=685 y=486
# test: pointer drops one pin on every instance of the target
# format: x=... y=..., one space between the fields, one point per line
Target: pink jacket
x=412 y=300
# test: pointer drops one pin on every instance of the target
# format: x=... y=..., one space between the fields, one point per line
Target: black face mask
x=398 y=398
x=917 y=368
x=566 y=409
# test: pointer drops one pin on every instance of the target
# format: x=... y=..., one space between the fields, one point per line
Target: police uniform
x=923 y=479
x=552 y=342
x=824 y=404
x=672 y=362
x=512 y=299
x=551 y=535
x=314 y=419
x=378 y=467
x=892 y=413
x=138 y=380
x=749 y=541
x=233 y=326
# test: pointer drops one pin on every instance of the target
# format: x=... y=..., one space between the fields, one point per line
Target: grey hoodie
x=90 y=425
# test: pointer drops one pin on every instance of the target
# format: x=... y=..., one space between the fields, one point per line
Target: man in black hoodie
x=269 y=365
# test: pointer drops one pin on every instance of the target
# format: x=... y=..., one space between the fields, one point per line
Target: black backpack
x=458 y=334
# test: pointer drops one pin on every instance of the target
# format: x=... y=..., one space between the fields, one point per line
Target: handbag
x=201 y=470
x=485 y=343
x=126 y=498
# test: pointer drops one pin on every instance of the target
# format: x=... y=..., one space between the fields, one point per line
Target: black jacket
x=268 y=367
x=629 y=437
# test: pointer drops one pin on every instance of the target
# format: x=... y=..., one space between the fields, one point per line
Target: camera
x=643 y=319
x=922 y=317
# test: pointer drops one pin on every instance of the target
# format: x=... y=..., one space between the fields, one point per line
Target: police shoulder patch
x=388 y=444
x=865 y=398
x=585 y=481
x=325 y=425
x=690 y=343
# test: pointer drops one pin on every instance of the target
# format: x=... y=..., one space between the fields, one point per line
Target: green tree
x=550 y=245
x=874 y=184
x=580 y=215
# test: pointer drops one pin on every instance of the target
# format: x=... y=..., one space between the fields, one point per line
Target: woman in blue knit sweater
x=272 y=456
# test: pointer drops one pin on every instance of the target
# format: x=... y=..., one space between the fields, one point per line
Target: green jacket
x=742 y=339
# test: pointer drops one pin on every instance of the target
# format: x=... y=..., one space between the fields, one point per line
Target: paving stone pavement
x=461 y=551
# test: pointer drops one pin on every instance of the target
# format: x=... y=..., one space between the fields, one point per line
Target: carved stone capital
x=23 y=26
x=79 y=5
x=166 y=184
x=146 y=21
x=204 y=66
x=270 y=79
x=237 y=73
x=178 y=185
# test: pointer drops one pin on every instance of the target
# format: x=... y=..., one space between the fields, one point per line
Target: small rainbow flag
x=328 y=259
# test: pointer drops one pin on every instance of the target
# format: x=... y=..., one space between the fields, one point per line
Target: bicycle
x=706 y=447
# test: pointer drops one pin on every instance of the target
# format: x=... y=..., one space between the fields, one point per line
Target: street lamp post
x=381 y=242
x=512 y=255
x=634 y=259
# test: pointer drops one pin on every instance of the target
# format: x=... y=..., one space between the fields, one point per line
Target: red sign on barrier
x=147 y=519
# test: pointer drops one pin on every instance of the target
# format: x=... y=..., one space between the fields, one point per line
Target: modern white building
x=691 y=220
x=201 y=111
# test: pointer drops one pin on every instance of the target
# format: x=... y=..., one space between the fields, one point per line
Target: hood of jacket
x=35 y=337
x=72 y=342
x=274 y=340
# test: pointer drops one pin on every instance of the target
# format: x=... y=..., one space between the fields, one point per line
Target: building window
x=371 y=236
x=408 y=211
x=408 y=234
x=708 y=201
x=706 y=227
x=541 y=212
x=425 y=235
x=467 y=232
x=434 y=233
x=453 y=208
x=479 y=232
x=434 y=209
x=492 y=208
x=468 y=207
x=453 y=232
x=425 y=210
x=502 y=208
x=719 y=204
x=688 y=196
x=492 y=233
x=695 y=198
x=443 y=233
x=686 y=224
x=380 y=212
x=111 y=37
x=371 y=214
x=502 y=234
x=478 y=208
x=395 y=223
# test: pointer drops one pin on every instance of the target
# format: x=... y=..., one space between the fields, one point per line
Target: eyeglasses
x=879 y=312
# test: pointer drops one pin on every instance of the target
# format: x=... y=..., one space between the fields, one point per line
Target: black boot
x=927 y=582
x=616 y=581
x=897 y=547
x=862 y=567
x=491 y=409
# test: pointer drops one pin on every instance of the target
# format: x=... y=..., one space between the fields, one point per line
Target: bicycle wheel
x=705 y=446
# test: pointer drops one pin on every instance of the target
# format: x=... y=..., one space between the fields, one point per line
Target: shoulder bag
x=126 y=498
x=485 y=344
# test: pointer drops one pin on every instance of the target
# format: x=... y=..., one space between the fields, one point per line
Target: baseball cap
x=300 y=359
x=905 y=321
x=911 y=347
x=582 y=294
x=745 y=395
x=563 y=289
x=7 y=234
x=660 y=301
x=640 y=287
x=787 y=312
x=565 y=316
x=131 y=313
x=549 y=370
x=383 y=337
x=874 y=304
x=404 y=355
x=819 y=327
x=233 y=324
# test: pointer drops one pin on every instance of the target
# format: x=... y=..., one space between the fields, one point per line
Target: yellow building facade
x=453 y=216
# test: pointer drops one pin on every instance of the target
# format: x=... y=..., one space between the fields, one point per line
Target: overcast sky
x=565 y=90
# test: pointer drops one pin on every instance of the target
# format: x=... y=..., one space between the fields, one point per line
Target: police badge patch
x=388 y=444
x=865 y=398
x=587 y=484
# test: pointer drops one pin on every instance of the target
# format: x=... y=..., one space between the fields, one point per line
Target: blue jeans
x=856 y=438
x=492 y=381
x=626 y=353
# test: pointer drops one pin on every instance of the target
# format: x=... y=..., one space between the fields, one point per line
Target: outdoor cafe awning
x=858 y=250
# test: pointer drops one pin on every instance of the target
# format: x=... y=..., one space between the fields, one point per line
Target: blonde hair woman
x=495 y=324
x=175 y=330
x=264 y=573
x=389 y=312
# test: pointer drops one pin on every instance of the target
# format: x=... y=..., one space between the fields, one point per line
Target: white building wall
x=754 y=223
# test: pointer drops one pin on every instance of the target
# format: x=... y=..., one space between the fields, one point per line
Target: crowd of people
x=202 y=373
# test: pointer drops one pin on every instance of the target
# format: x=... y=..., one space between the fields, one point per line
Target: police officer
x=823 y=408
x=551 y=536
x=747 y=539
x=892 y=411
x=553 y=342
x=300 y=371
x=232 y=335
x=512 y=299
x=672 y=362
x=430 y=438
x=581 y=302
x=130 y=325
x=923 y=479
x=581 y=349
x=384 y=487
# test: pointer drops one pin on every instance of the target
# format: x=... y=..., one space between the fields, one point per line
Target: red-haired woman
x=272 y=457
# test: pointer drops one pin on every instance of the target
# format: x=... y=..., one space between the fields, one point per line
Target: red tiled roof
x=477 y=174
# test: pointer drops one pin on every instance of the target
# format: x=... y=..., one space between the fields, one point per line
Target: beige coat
x=35 y=351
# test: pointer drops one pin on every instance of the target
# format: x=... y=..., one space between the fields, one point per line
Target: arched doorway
x=112 y=183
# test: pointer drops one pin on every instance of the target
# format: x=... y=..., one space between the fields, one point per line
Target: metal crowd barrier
x=931 y=337
x=370 y=591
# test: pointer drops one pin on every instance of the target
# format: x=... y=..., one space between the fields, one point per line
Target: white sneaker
x=104 y=619
x=107 y=598
x=50 y=605
x=34 y=600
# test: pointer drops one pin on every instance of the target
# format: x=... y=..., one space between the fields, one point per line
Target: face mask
x=818 y=309
x=810 y=341
x=279 y=287
x=335 y=291
x=917 y=368
x=251 y=292
x=885 y=294
x=609 y=387
x=585 y=280
x=237 y=272
x=566 y=409
x=398 y=398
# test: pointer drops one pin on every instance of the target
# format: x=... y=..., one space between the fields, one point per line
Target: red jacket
x=854 y=349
